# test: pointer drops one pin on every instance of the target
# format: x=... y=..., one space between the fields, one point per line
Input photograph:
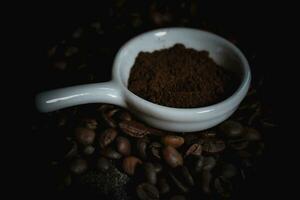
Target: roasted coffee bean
x=199 y=164
x=231 y=129
x=172 y=157
x=134 y=129
x=252 y=134
x=209 y=163
x=178 y=197
x=78 y=166
x=107 y=136
x=172 y=140
x=109 y=121
x=130 y=163
x=194 y=149
x=90 y=123
x=150 y=173
x=142 y=147
x=238 y=144
x=103 y=164
x=123 y=145
x=157 y=167
x=124 y=116
x=163 y=186
x=206 y=178
x=84 y=136
x=213 y=145
x=155 y=149
x=223 y=187
x=146 y=191
x=89 y=150
x=180 y=185
x=228 y=170
x=190 y=139
x=110 y=153
x=187 y=176
x=112 y=112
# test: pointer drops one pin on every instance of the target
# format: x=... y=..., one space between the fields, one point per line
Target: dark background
x=251 y=23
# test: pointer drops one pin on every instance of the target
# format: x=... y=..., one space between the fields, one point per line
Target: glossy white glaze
x=171 y=119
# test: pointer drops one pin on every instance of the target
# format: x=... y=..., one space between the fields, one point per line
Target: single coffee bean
x=213 y=145
x=130 y=163
x=142 y=147
x=123 y=145
x=172 y=140
x=107 y=136
x=84 y=136
x=90 y=123
x=157 y=167
x=112 y=112
x=187 y=176
x=89 y=150
x=209 y=163
x=134 y=129
x=146 y=191
x=110 y=153
x=180 y=185
x=124 y=116
x=206 y=177
x=150 y=173
x=228 y=170
x=163 y=186
x=194 y=149
x=231 y=129
x=109 y=121
x=190 y=139
x=199 y=164
x=78 y=166
x=238 y=144
x=155 y=149
x=172 y=156
x=178 y=197
x=103 y=164
x=252 y=134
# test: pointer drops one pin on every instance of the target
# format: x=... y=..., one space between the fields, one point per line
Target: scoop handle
x=106 y=92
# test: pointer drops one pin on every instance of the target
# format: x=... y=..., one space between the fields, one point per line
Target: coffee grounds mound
x=180 y=77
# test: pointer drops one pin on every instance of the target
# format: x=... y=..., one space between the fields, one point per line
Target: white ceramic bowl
x=171 y=119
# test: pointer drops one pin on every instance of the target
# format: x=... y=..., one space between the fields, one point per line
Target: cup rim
x=150 y=106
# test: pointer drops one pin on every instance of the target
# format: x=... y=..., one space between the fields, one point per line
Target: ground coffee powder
x=180 y=77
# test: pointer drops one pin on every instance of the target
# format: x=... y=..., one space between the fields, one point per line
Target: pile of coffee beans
x=111 y=152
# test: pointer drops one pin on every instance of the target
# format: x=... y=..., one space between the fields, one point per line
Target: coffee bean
x=84 y=136
x=194 y=149
x=89 y=150
x=163 y=186
x=178 y=197
x=157 y=167
x=134 y=129
x=209 y=163
x=110 y=153
x=107 y=136
x=228 y=170
x=150 y=173
x=155 y=149
x=146 y=191
x=190 y=139
x=112 y=112
x=213 y=145
x=109 y=121
x=252 y=134
x=205 y=181
x=103 y=164
x=123 y=145
x=172 y=156
x=72 y=149
x=187 y=176
x=130 y=163
x=223 y=187
x=180 y=185
x=172 y=140
x=199 y=164
x=238 y=144
x=124 y=116
x=231 y=129
x=90 y=123
x=78 y=166
x=142 y=147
